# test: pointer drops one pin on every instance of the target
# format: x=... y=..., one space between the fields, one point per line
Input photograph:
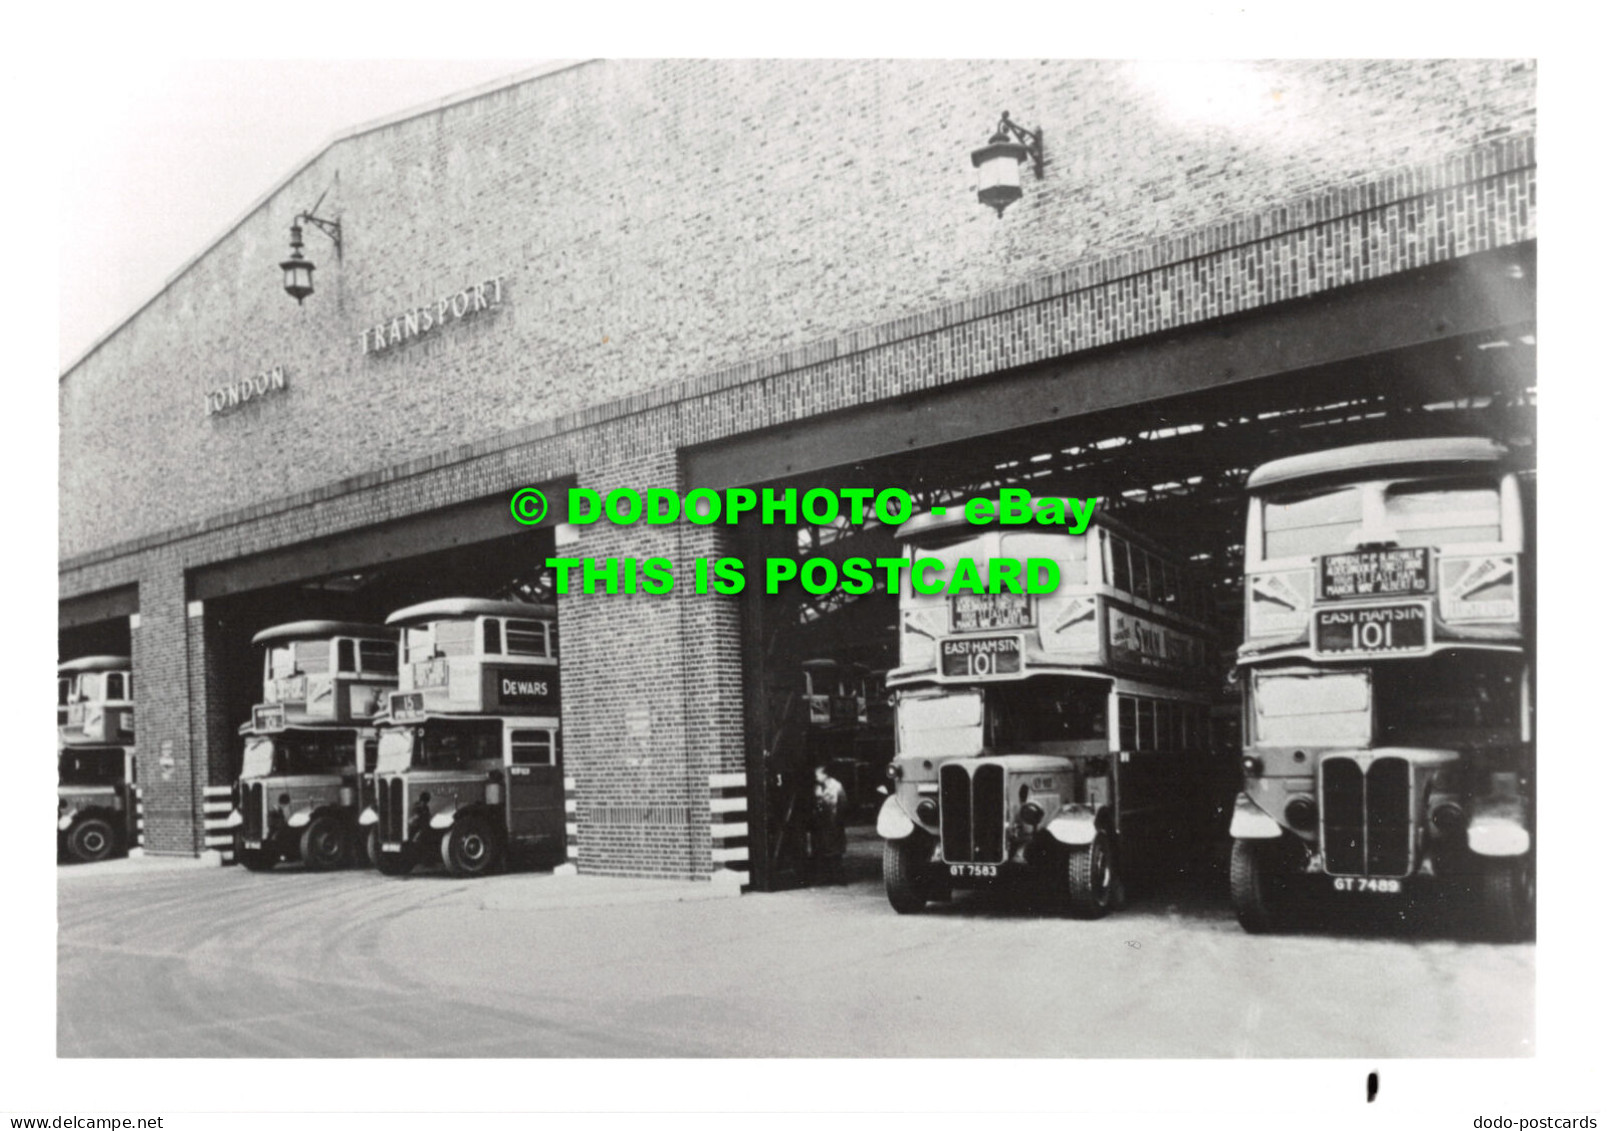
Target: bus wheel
x=371 y=846
x=91 y=839
x=470 y=848
x=902 y=861
x=323 y=844
x=1090 y=878
x=1509 y=898
x=393 y=863
x=1251 y=884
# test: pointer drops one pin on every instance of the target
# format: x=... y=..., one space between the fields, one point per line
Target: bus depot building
x=698 y=274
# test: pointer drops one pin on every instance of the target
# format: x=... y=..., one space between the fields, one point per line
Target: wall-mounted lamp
x=298 y=268
x=998 y=163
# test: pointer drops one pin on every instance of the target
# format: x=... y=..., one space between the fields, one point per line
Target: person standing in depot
x=830 y=834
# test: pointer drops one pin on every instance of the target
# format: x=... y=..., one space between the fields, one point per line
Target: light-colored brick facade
x=691 y=251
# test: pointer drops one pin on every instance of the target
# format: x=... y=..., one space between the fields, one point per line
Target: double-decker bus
x=310 y=747
x=95 y=809
x=1388 y=680
x=470 y=756
x=1063 y=735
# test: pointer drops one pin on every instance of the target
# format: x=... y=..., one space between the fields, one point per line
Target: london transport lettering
x=422 y=320
x=237 y=393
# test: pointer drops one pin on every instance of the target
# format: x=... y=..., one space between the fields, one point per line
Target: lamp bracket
x=330 y=228
x=1032 y=139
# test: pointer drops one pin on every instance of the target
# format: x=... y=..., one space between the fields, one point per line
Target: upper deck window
x=1062 y=548
x=527 y=638
x=440 y=638
x=312 y=656
x=63 y=689
x=1444 y=513
x=1311 y=523
x=281 y=661
x=492 y=644
x=114 y=686
x=376 y=657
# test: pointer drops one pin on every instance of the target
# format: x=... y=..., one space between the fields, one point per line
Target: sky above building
x=168 y=155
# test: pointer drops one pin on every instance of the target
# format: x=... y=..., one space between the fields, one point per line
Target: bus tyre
x=1509 y=898
x=371 y=846
x=471 y=848
x=902 y=861
x=324 y=844
x=1090 y=878
x=91 y=839
x=1251 y=884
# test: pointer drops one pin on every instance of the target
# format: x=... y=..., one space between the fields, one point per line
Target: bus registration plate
x=979 y=612
x=974 y=871
x=1375 y=573
x=1393 y=628
x=981 y=656
x=1367 y=884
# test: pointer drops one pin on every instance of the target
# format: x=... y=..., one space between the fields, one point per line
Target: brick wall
x=657 y=221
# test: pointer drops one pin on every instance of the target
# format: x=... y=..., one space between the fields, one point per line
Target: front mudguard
x=1077 y=825
x=1251 y=822
x=892 y=823
x=1499 y=826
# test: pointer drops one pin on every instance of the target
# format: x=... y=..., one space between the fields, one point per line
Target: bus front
x=310 y=743
x=470 y=758
x=1387 y=675
x=1013 y=708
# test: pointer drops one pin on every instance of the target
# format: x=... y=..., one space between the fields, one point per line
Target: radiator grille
x=251 y=810
x=392 y=810
x=1367 y=817
x=972 y=813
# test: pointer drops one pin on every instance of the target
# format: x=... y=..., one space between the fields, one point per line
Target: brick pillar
x=652 y=689
x=170 y=777
x=217 y=735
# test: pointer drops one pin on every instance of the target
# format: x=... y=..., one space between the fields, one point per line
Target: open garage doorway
x=475 y=551
x=1172 y=468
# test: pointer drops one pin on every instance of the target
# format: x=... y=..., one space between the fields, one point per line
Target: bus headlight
x=926 y=810
x=1448 y=817
x=1301 y=814
x=1031 y=813
x=1278 y=603
x=1484 y=587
